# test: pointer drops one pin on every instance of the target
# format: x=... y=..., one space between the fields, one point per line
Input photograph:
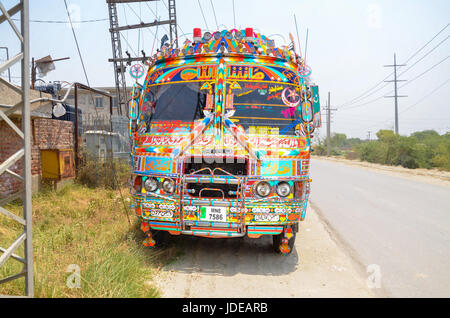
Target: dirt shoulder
x=432 y=176
x=318 y=267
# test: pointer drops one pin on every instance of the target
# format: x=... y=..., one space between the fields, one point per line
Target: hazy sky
x=349 y=42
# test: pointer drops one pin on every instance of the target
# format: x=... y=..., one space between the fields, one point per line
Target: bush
x=372 y=151
x=319 y=150
x=351 y=155
x=110 y=174
x=424 y=149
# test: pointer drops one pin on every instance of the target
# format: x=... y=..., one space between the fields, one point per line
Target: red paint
x=197 y=33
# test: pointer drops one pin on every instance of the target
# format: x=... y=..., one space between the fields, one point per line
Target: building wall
x=87 y=101
x=46 y=134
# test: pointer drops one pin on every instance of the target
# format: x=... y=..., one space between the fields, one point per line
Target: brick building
x=47 y=135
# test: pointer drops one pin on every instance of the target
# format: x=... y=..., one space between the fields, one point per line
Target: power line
x=366 y=96
x=415 y=104
x=429 y=52
x=139 y=17
x=363 y=95
x=79 y=54
x=140 y=20
x=426 y=71
x=426 y=96
x=178 y=25
x=126 y=22
x=61 y=21
x=157 y=18
x=76 y=42
x=427 y=43
x=424 y=55
x=214 y=11
x=128 y=45
x=376 y=91
x=200 y=5
x=409 y=82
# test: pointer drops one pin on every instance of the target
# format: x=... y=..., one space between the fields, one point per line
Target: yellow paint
x=275 y=131
x=50 y=164
x=57 y=163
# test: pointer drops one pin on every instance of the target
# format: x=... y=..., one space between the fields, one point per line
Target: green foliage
x=86 y=227
x=320 y=149
x=340 y=145
x=423 y=149
x=372 y=152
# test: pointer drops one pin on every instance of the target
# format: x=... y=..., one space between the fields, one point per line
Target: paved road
x=246 y=267
x=399 y=224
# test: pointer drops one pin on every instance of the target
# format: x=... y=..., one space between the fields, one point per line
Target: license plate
x=213 y=214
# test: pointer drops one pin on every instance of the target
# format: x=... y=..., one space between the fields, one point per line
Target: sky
x=349 y=42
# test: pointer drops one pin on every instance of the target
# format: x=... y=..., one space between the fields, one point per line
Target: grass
x=89 y=228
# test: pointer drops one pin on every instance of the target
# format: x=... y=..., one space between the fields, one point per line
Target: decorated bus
x=221 y=131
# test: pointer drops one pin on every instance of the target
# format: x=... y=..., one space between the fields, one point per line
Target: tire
x=162 y=238
x=277 y=241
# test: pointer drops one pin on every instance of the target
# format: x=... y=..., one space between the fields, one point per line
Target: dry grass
x=87 y=227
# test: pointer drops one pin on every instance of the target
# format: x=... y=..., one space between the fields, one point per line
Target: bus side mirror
x=316 y=106
x=132 y=105
x=133 y=115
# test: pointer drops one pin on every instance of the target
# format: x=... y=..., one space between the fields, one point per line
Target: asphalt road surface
x=245 y=267
x=399 y=227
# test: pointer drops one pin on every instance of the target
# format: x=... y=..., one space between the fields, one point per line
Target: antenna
x=234 y=16
x=306 y=45
x=298 y=37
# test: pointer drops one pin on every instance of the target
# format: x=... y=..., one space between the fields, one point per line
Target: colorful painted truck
x=221 y=134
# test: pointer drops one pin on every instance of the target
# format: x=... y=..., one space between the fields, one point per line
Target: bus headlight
x=283 y=189
x=168 y=185
x=151 y=184
x=262 y=189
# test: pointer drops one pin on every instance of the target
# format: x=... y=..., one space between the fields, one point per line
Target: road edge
x=347 y=250
x=411 y=174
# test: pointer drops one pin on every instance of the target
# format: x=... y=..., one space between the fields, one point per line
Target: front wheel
x=278 y=241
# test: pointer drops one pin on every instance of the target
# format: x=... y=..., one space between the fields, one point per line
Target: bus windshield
x=268 y=105
x=172 y=102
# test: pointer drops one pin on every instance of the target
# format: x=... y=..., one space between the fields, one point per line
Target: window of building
x=115 y=102
x=99 y=102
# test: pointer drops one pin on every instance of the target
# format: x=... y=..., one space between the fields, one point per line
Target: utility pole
x=396 y=96
x=23 y=154
x=368 y=135
x=7 y=58
x=173 y=22
x=119 y=61
x=329 y=110
x=119 y=67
